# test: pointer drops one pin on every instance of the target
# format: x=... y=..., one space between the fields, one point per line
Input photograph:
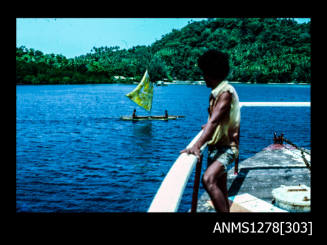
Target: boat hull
x=143 y=118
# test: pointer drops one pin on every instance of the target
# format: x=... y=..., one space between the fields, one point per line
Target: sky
x=77 y=36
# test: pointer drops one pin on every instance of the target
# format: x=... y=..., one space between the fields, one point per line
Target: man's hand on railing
x=195 y=150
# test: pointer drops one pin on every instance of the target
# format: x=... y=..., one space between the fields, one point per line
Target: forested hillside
x=261 y=50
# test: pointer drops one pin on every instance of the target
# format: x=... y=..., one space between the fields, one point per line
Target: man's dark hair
x=215 y=64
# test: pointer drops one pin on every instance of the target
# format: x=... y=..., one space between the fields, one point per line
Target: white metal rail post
x=169 y=194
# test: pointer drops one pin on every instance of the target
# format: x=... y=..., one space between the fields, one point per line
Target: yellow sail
x=143 y=93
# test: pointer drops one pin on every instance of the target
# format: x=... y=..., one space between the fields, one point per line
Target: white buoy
x=293 y=198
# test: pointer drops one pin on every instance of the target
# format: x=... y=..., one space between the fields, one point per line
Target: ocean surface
x=73 y=154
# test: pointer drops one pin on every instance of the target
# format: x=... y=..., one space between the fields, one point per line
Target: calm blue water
x=73 y=154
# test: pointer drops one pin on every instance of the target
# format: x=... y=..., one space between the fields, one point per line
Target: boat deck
x=258 y=175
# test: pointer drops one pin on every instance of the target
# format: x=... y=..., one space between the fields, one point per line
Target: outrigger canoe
x=142 y=118
x=142 y=95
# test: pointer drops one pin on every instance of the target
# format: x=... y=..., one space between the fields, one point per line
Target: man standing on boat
x=221 y=131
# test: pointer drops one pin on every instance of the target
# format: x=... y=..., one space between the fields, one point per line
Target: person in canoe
x=221 y=131
x=166 y=114
x=134 y=114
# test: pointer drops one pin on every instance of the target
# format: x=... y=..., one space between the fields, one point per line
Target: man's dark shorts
x=224 y=154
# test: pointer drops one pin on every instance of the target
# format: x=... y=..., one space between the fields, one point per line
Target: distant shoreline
x=291 y=83
x=232 y=82
x=168 y=83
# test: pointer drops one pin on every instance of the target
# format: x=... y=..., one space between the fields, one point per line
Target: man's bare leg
x=222 y=184
x=218 y=192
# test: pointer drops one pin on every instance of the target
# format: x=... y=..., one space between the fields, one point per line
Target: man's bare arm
x=220 y=110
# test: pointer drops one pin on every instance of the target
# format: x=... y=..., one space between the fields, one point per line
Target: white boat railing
x=170 y=192
x=292 y=104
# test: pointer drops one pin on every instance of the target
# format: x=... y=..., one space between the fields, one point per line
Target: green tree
x=157 y=69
